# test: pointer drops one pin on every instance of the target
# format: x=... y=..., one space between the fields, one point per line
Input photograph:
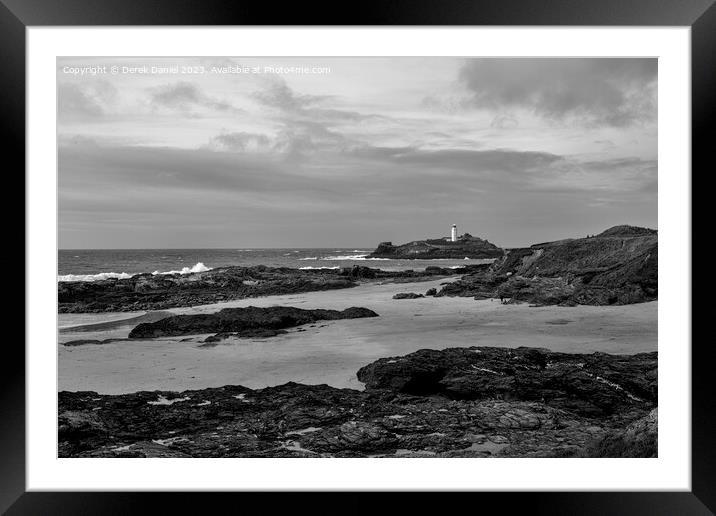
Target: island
x=454 y=247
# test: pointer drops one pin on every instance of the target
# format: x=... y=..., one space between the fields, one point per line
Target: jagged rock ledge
x=147 y=292
x=461 y=402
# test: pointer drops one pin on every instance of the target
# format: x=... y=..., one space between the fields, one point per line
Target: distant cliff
x=466 y=246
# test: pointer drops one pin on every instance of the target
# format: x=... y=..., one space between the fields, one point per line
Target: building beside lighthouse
x=453 y=233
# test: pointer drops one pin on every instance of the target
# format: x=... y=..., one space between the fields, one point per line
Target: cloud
x=338 y=160
x=241 y=142
x=504 y=122
x=198 y=196
x=300 y=139
x=185 y=96
x=625 y=175
x=594 y=91
x=523 y=171
x=472 y=161
x=85 y=101
x=606 y=144
x=295 y=140
x=279 y=95
x=307 y=108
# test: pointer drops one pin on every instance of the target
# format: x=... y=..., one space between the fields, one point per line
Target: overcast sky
x=517 y=151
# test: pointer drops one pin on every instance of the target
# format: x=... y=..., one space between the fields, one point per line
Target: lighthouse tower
x=453 y=233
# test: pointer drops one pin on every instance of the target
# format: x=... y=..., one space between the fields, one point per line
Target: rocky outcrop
x=590 y=385
x=618 y=266
x=243 y=322
x=96 y=342
x=146 y=292
x=407 y=295
x=156 y=292
x=639 y=439
x=473 y=402
x=466 y=246
x=481 y=284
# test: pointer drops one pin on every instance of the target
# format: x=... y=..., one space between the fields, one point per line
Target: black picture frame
x=17 y=15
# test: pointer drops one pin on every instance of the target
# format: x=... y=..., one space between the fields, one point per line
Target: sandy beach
x=332 y=351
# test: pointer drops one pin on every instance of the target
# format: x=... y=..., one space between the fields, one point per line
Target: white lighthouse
x=453 y=233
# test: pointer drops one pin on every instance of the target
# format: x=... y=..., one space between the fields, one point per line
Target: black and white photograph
x=357 y=257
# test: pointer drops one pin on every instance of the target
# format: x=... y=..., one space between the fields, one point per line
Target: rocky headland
x=618 y=266
x=150 y=292
x=458 y=402
x=466 y=246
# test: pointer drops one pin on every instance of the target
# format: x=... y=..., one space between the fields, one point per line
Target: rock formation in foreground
x=146 y=292
x=407 y=295
x=466 y=246
x=618 y=266
x=249 y=320
x=461 y=402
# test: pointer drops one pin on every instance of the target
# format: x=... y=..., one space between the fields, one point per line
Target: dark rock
x=243 y=321
x=149 y=292
x=431 y=292
x=639 y=439
x=156 y=292
x=81 y=342
x=252 y=333
x=618 y=266
x=432 y=269
x=407 y=295
x=545 y=415
x=479 y=285
x=84 y=342
x=589 y=384
x=359 y=271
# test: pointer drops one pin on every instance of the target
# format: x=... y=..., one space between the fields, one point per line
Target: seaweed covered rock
x=161 y=291
x=407 y=295
x=247 y=320
x=639 y=439
x=590 y=384
x=147 y=292
x=476 y=402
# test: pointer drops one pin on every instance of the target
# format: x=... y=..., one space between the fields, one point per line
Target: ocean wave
x=345 y=257
x=351 y=257
x=199 y=267
x=317 y=268
x=309 y=258
x=93 y=277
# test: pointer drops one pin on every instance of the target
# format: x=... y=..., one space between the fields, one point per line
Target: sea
x=98 y=264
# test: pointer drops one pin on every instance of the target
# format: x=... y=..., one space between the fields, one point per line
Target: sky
x=222 y=152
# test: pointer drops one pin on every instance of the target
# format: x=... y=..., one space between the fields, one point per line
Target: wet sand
x=332 y=351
